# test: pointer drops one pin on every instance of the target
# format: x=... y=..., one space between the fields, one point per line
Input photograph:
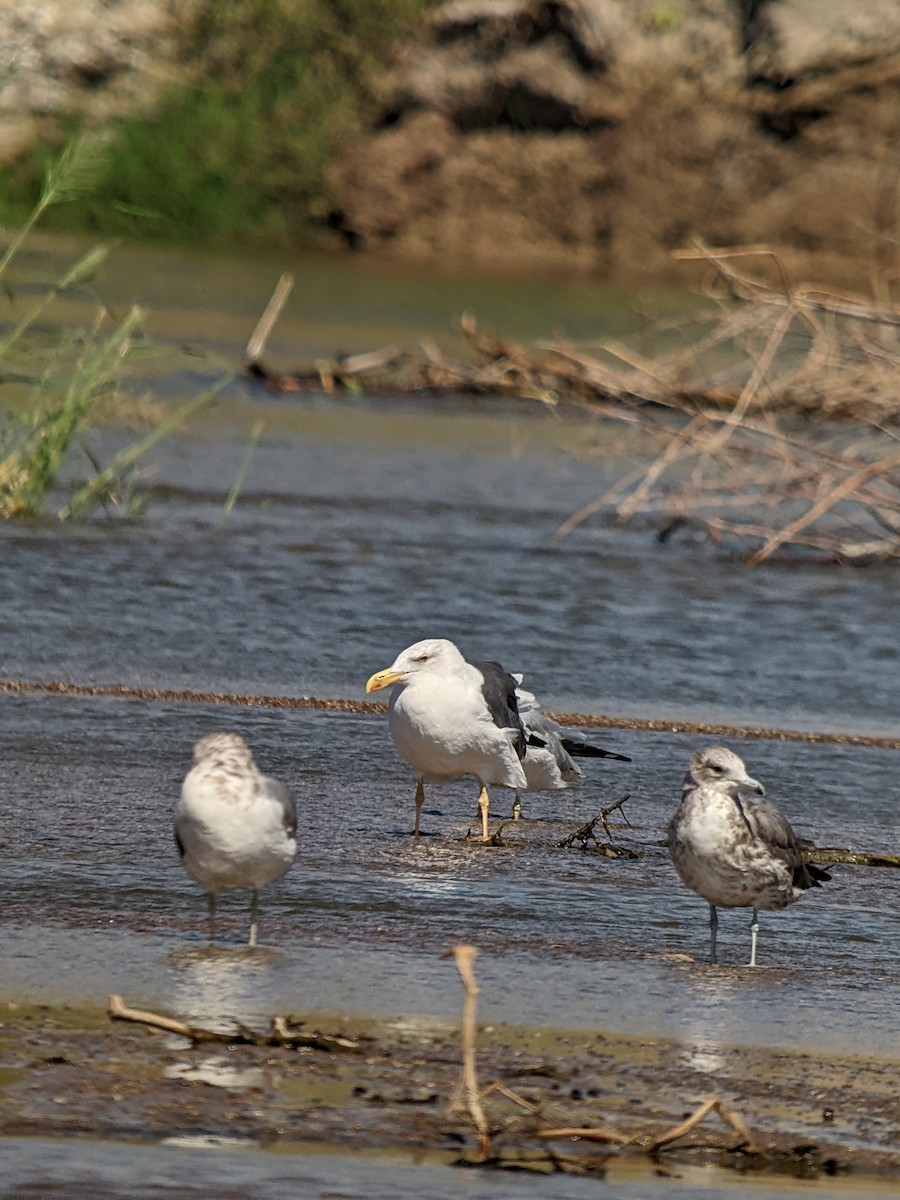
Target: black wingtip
x=817 y=874
x=585 y=750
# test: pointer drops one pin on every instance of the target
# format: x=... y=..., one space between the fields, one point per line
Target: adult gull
x=733 y=850
x=234 y=826
x=449 y=717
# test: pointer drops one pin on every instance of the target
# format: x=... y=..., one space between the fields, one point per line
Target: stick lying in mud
x=599 y=1134
x=464 y=956
x=714 y=1104
x=281 y=1034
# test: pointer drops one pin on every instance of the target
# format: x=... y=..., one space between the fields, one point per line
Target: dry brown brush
x=773 y=414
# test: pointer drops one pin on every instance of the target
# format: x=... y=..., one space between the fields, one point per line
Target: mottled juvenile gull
x=234 y=827
x=550 y=753
x=734 y=851
x=449 y=717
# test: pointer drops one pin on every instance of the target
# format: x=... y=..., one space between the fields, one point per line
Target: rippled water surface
x=362 y=527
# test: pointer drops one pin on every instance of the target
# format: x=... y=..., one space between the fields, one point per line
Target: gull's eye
x=422 y=658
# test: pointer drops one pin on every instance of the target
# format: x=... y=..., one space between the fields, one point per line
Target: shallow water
x=196 y=1167
x=363 y=526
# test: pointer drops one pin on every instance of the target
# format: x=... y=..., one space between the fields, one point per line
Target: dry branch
x=714 y=1104
x=280 y=1034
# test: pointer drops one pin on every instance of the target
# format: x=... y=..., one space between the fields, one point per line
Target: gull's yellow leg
x=483 y=803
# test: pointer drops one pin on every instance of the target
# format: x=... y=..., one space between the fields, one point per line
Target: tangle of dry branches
x=775 y=411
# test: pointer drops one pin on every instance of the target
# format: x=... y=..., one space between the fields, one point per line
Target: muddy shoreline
x=67 y=1071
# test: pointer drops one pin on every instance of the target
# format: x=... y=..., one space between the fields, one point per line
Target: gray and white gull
x=449 y=717
x=234 y=826
x=733 y=850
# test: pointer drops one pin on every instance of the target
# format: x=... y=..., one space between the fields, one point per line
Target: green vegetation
x=665 y=17
x=241 y=152
x=71 y=379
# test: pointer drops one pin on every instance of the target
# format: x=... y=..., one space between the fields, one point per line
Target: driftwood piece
x=280 y=1033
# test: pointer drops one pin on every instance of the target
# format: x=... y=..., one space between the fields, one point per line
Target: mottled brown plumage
x=735 y=850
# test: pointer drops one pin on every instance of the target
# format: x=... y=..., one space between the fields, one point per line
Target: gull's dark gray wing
x=279 y=792
x=179 y=843
x=773 y=828
x=499 y=691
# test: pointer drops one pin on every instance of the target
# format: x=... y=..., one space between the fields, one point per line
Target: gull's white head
x=434 y=656
x=716 y=766
x=230 y=746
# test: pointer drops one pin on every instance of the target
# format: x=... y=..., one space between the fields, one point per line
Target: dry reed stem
x=748 y=393
x=628 y=507
x=828 y=501
x=272 y=312
x=464 y=957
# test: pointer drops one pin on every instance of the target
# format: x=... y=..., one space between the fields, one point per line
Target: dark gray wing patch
x=499 y=691
x=289 y=810
x=179 y=843
x=772 y=827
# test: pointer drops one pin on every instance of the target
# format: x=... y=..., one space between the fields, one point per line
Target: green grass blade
x=86 y=497
x=230 y=502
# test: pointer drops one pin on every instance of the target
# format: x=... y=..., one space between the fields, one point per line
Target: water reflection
x=217 y=987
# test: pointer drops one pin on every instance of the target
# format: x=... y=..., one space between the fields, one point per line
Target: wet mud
x=67 y=1071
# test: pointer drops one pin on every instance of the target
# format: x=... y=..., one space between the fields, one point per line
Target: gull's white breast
x=442 y=728
x=719 y=858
